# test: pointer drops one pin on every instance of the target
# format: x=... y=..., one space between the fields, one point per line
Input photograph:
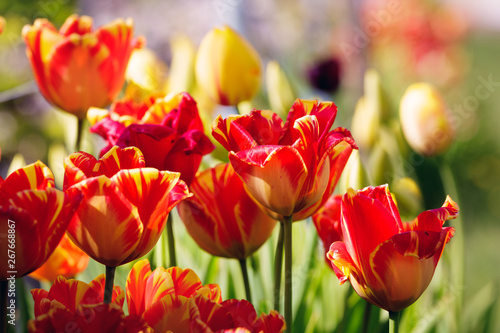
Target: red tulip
x=66 y=260
x=76 y=68
x=33 y=218
x=328 y=222
x=291 y=168
x=125 y=205
x=169 y=133
x=222 y=218
x=389 y=263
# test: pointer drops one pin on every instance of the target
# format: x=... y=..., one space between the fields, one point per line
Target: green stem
x=3 y=298
x=394 y=321
x=108 y=285
x=246 y=281
x=171 y=241
x=288 y=272
x=456 y=252
x=278 y=266
x=366 y=317
x=79 y=132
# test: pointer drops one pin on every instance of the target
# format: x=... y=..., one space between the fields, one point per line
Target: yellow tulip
x=424 y=120
x=227 y=68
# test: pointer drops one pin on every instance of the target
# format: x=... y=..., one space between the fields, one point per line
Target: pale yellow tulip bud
x=279 y=90
x=354 y=175
x=370 y=111
x=408 y=197
x=227 y=67
x=181 y=75
x=146 y=74
x=425 y=121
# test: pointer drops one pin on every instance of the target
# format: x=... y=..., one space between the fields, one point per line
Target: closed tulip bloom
x=391 y=265
x=66 y=260
x=425 y=121
x=221 y=216
x=76 y=68
x=125 y=205
x=291 y=168
x=33 y=218
x=227 y=68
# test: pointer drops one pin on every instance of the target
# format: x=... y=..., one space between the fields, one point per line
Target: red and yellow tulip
x=33 y=218
x=174 y=300
x=125 y=205
x=66 y=260
x=168 y=131
x=227 y=68
x=78 y=305
x=291 y=168
x=71 y=294
x=222 y=218
x=388 y=262
x=76 y=68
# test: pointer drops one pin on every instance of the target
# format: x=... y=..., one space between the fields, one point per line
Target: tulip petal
x=325 y=112
x=402 y=278
x=231 y=135
x=274 y=175
x=185 y=156
x=97 y=289
x=106 y=226
x=341 y=261
x=172 y=313
x=211 y=291
x=36 y=176
x=41 y=218
x=186 y=116
x=221 y=217
x=118 y=159
x=70 y=293
x=156 y=141
x=271 y=323
x=366 y=222
x=382 y=195
x=186 y=281
x=81 y=165
x=328 y=222
x=242 y=312
x=216 y=316
x=160 y=190
x=145 y=288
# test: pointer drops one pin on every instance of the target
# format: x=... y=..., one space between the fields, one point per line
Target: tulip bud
x=2 y=24
x=425 y=120
x=369 y=112
x=227 y=67
x=354 y=174
x=146 y=74
x=181 y=74
x=408 y=196
x=279 y=90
